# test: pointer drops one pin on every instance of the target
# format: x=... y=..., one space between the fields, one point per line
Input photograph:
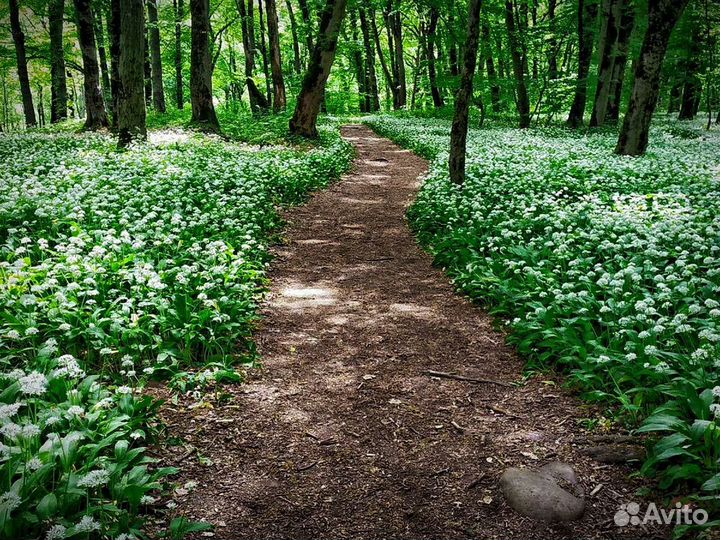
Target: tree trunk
x=201 y=94
x=102 y=54
x=453 y=54
x=396 y=24
x=148 y=70
x=692 y=86
x=21 y=57
x=611 y=14
x=360 y=71
x=374 y=101
x=463 y=97
x=663 y=15
x=131 y=96
x=279 y=99
x=95 y=115
x=114 y=22
x=523 y=100
x=156 y=58
x=179 y=17
x=58 y=84
x=307 y=27
x=587 y=13
x=552 y=42
x=383 y=63
x=627 y=23
x=490 y=65
x=297 y=64
x=432 y=74
x=263 y=52
x=304 y=120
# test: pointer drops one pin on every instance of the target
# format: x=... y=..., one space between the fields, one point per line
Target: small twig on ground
x=500 y=410
x=444 y=375
x=306 y=467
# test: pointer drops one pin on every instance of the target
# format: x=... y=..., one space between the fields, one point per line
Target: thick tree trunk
x=263 y=52
x=627 y=23
x=490 y=65
x=463 y=97
x=156 y=57
x=587 y=13
x=201 y=94
x=663 y=15
x=374 y=99
x=114 y=35
x=304 y=120
x=297 y=64
x=611 y=22
x=95 y=114
x=102 y=54
x=432 y=74
x=279 y=99
x=58 y=84
x=131 y=96
x=179 y=17
x=523 y=100
x=21 y=57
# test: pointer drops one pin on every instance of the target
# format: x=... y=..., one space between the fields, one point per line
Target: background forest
x=147 y=146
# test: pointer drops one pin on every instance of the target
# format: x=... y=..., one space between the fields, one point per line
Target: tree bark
x=148 y=70
x=297 y=64
x=304 y=120
x=432 y=73
x=463 y=96
x=587 y=13
x=453 y=53
x=102 y=54
x=58 y=84
x=307 y=27
x=201 y=94
x=383 y=62
x=399 y=56
x=21 y=57
x=490 y=65
x=360 y=71
x=179 y=17
x=279 y=98
x=95 y=114
x=263 y=51
x=156 y=57
x=692 y=86
x=606 y=66
x=114 y=23
x=663 y=15
x=374 y=98
x=131 y=94
x=627 y=23
x=552 y=42
x=523 y=100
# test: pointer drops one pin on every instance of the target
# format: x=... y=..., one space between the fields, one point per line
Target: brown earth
x=342 y=434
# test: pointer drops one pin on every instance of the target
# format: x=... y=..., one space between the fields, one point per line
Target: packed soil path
x=343 y=433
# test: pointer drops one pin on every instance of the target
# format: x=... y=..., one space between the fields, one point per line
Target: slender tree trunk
x=372 y=89
x=663 y=15
x=102 y=54
x=523 y=100
x=463 y=97
x=258 y=101
x=304 y=120
x=114 y=23
x=263 y=52
x=490 y=65
x=307 y=27
x=552 y=42
x=389 y=86
x=156 y=57
x=627 y=23
x=279 y=99
x=587 y=13
x=453 y=53
x=41 y=106
x=432 y=74
x=179 y=17
x=95 y=115
x=360 y=71
x=201 y=94
x=399 y=56
x=611 y=13
x=21 y=57
x=297 y=64
x=692 y=85
x=58 y=85
x=148 y=71
x=131 y=97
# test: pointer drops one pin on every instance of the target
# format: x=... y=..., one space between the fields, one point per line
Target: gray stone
x=550 y=494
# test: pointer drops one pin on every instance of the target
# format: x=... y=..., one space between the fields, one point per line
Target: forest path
x=342 y=434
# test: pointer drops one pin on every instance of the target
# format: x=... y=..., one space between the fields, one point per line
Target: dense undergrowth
x=116 y=267
x=607 y=266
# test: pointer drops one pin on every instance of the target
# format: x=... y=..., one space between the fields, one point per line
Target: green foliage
x=607 y=266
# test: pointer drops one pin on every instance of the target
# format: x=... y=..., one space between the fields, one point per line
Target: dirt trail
x=342 y=435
